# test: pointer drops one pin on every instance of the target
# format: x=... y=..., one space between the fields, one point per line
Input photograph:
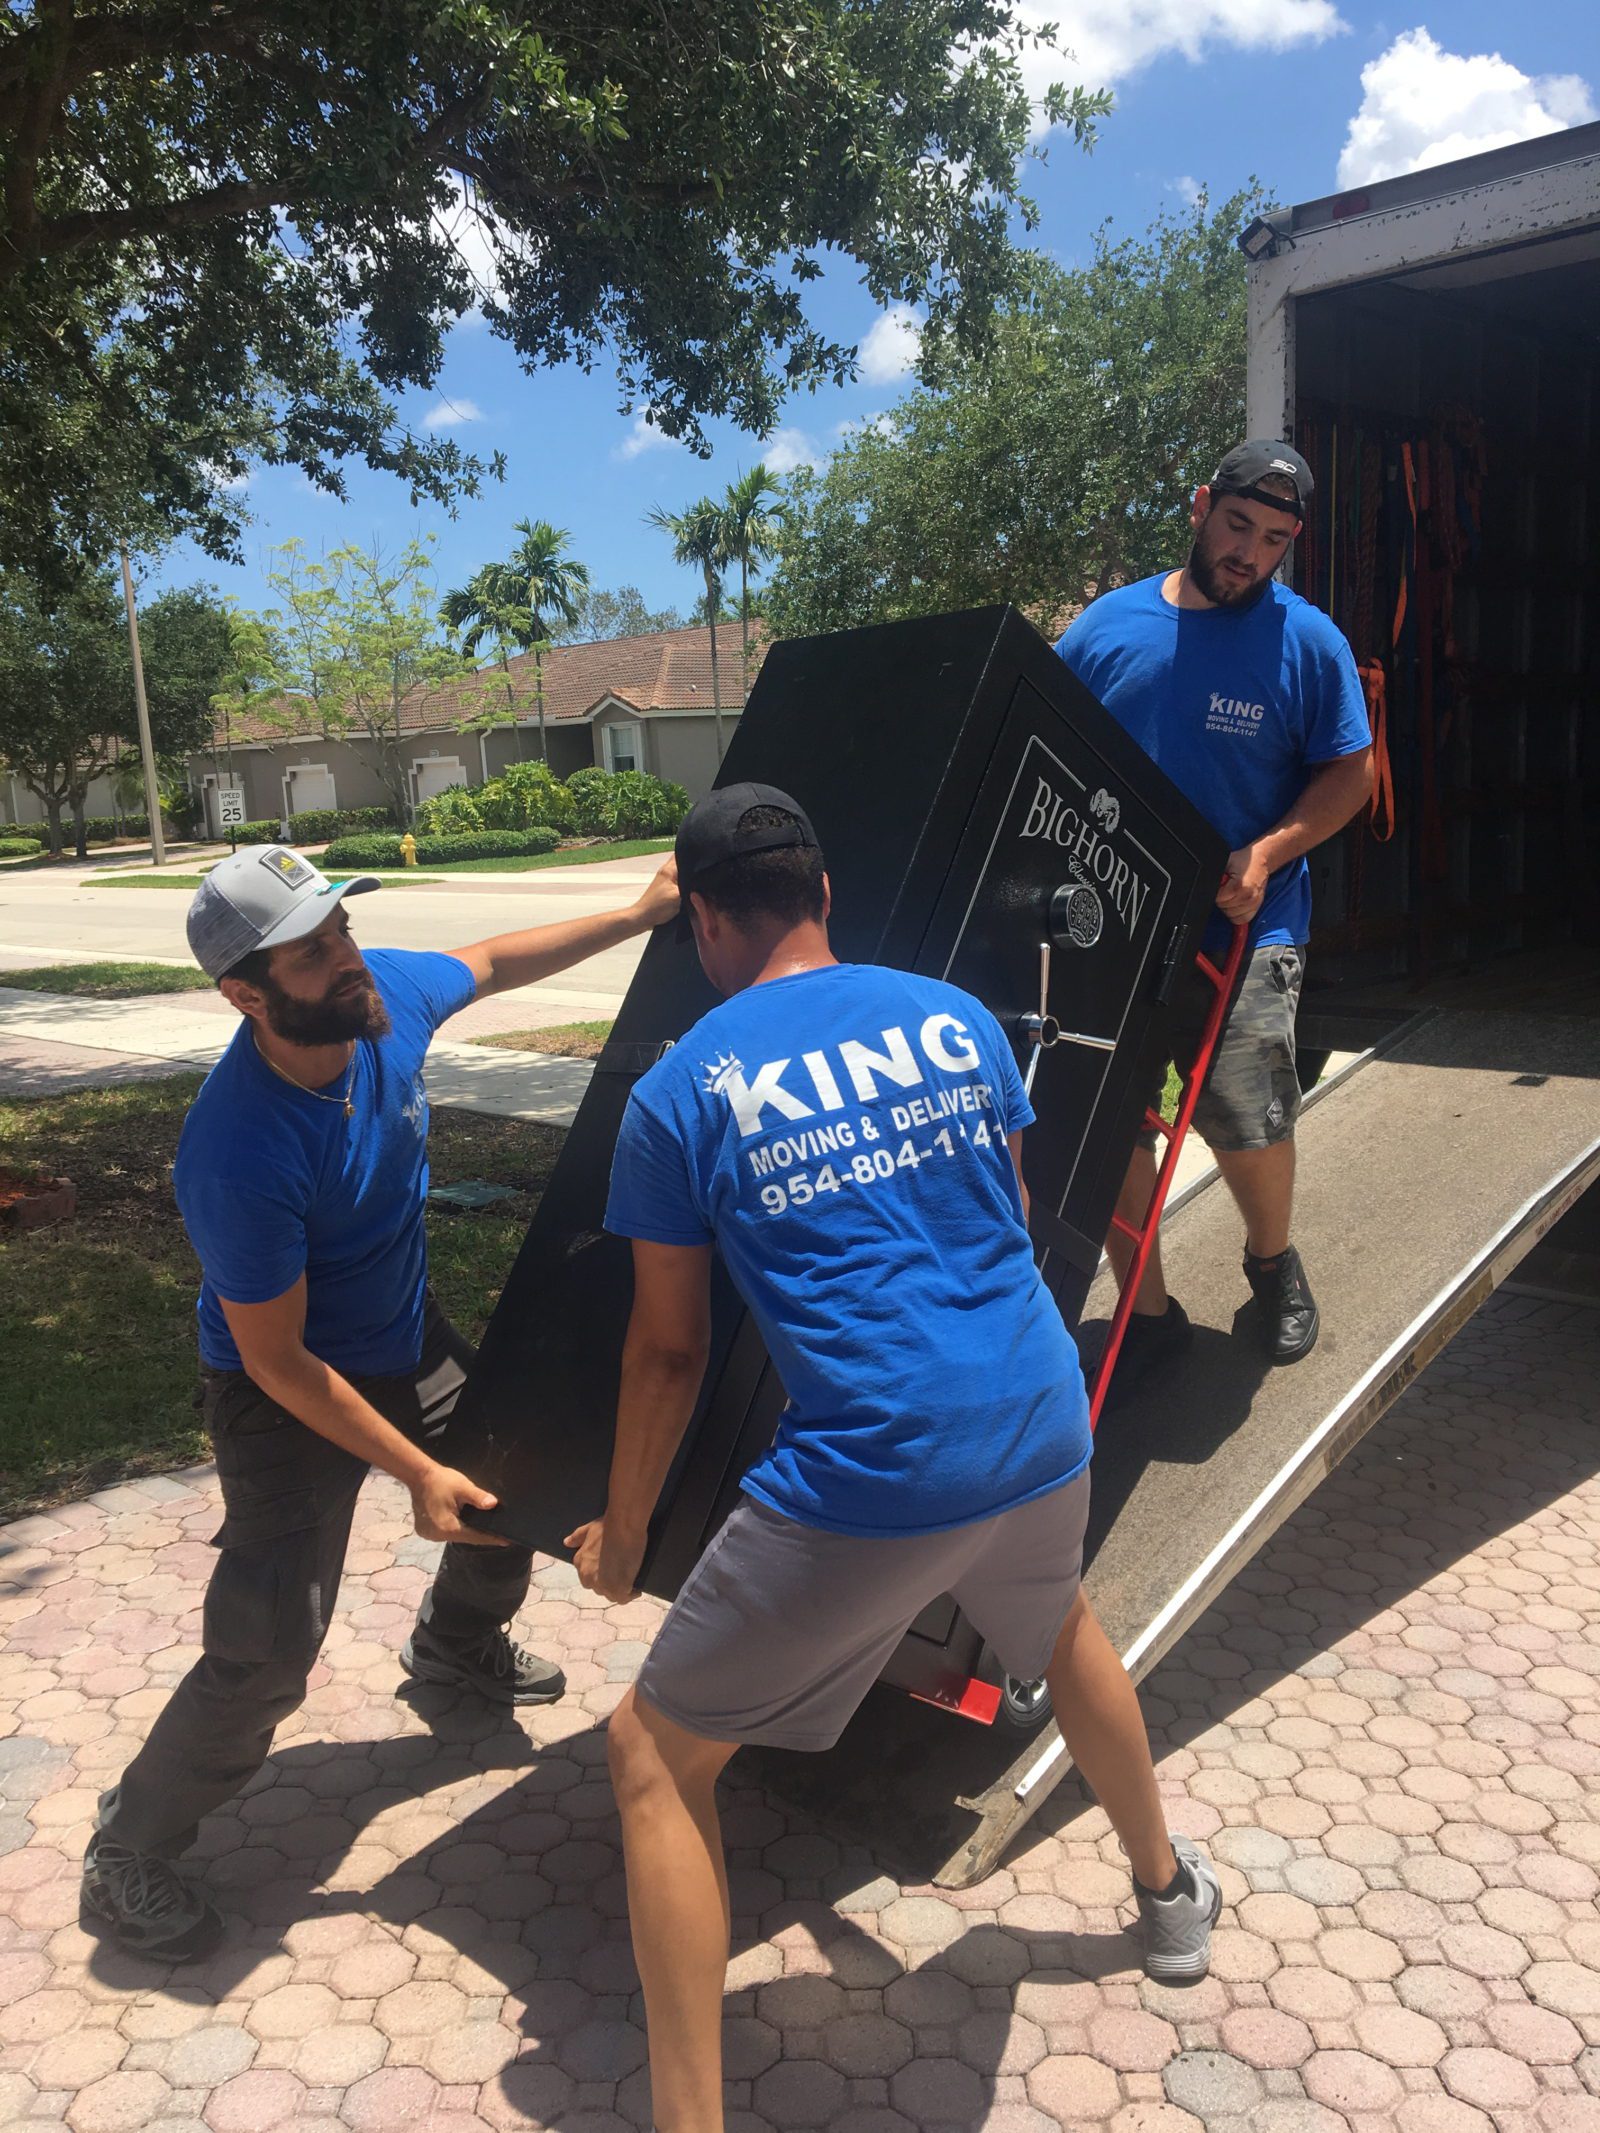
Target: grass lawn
x=586 y=856
x=562 y=1040
x=97 y=1317
x=107 y=981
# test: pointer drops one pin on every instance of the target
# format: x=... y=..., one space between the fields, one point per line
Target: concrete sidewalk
x=49 y=1043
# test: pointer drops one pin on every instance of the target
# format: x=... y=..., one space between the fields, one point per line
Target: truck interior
x=1453 y=419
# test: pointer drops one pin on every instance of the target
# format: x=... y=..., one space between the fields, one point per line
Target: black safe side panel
x=958 y=776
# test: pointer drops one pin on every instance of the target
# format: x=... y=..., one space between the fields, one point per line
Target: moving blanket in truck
x=974 y=804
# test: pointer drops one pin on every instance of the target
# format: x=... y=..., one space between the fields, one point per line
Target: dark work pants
x=288 y=1497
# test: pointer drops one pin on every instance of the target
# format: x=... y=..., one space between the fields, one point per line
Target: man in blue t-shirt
x=848 y=1137
x=1248 y=698
x=302 y=1174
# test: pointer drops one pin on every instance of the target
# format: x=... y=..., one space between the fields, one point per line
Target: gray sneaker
x=1177 y=1929
x=149 y=1906
x=497 y=1669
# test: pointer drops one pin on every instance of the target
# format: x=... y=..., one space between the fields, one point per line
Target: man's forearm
x=1336 y=793
x=329 y=1404
x=514 y=959
x=657 y=1397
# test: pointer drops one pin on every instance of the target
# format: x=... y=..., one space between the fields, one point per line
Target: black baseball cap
x=710 y=833
x=1247 y=465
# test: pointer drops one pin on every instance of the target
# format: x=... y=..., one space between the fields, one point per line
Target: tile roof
x=669 y=670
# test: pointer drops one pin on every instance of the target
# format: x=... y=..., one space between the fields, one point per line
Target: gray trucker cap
x=258 y=899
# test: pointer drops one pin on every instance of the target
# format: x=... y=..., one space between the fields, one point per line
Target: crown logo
x=719 y=1072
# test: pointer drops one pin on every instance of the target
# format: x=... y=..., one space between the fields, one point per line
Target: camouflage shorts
x=1251 y=1097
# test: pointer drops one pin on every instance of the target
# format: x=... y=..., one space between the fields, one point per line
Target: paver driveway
x=1388 y=1732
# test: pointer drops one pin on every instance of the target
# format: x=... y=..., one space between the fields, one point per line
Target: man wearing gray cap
x=301 y=1176
x=1248 y=698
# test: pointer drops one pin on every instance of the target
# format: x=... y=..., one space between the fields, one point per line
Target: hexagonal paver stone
x=600 y=2050
x=1399 y=2037
x=799 y=2092
x=293 y=2011
x=1074 y=2089
x=1483 y=1952
x=921 y=1922
x=1212 y=2085
x=73 y=2061
x=530 y=2092
x=1493 y=2080
x=929 y=2091
x=119 y=2103
x=1569 y=1988
x=1353 y=1952
x=255 y=2102
x=1351 y=2081
x=1132 y=2042
x=368 y=1973
x=469 y=2052
x=334 y=2058
x=1279 y=1918
x=1262 y=2037
x=207 y=2057
x=1441 y=2114
x=867 y=2046
x=420 y=2009
x=394 y=2096
x=1535 y=2035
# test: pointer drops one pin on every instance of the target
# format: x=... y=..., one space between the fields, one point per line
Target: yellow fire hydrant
x=408 y=849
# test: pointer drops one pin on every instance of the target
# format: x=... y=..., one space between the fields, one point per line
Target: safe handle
x=1042 y=1030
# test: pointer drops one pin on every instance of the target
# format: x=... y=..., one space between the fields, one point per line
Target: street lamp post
x=152 y=792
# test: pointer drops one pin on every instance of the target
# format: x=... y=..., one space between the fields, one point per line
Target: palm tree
x=508 y=602
x=751 y=538
x=700 y=540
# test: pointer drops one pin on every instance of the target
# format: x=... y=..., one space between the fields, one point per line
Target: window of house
x=624 y=746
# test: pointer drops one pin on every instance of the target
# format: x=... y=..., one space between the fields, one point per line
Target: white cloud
x=787 y=449
x=467 y=229
x=1102 y=42
x=1188 y=190
x=883 y=425
x=1422 y=105
x=448 y=414
x=644 y=437
x=891 y=347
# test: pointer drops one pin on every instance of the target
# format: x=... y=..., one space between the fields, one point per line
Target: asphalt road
x=58 y=916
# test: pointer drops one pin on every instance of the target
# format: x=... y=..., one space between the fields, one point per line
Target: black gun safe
x=983 y=820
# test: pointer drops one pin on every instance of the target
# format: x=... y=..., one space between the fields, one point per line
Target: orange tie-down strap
x=1380 y=809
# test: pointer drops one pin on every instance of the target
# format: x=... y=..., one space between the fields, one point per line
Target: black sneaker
x=1148 y=1344
x=497 y=1669
x=1287 y=1309
x=149 y=1906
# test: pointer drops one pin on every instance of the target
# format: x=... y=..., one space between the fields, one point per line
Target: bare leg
x=1262 y=1183
x=1132 y=1202
x=666 y=1785
x=1097 y=1709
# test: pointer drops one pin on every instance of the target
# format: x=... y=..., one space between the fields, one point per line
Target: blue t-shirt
x=841 y=1135
x=274 y=1182
x=1238 y=708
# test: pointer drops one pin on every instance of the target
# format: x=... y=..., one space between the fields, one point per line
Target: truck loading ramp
x=1425 y=1178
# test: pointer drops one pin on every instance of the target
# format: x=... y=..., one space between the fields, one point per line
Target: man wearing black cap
x=1248 y=697
x=301 y=1175
x=848 y=1136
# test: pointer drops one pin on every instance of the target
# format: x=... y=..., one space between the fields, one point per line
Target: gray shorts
x=781 y=1628
x=1251 y=1097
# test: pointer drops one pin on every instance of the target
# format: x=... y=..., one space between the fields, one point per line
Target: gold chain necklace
x=344 y=1098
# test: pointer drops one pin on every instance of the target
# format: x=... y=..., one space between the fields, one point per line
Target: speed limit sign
x=230 y=806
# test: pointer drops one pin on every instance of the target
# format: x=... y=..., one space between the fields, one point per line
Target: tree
x=603 y=615
x=700 y=540
x=750 y=535
x=1061 y=463
x=510 y=603
x=203 y=208
x=355 y=640
x=66 y=684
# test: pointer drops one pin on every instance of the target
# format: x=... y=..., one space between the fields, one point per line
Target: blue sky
x=1304 y=94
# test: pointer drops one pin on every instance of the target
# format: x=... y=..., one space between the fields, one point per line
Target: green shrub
x=106 y=829
x=638 y=805
x=455 y=812
x=318 y=823
x=587 y=791
x=348 y=852
x=526 y=796
x=20 y=847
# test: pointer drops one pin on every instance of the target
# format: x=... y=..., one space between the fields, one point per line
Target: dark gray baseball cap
x=260 y=898
x=1249 y=464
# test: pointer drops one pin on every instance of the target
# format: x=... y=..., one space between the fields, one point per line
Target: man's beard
x=1220 y=590
x=355 y=1012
